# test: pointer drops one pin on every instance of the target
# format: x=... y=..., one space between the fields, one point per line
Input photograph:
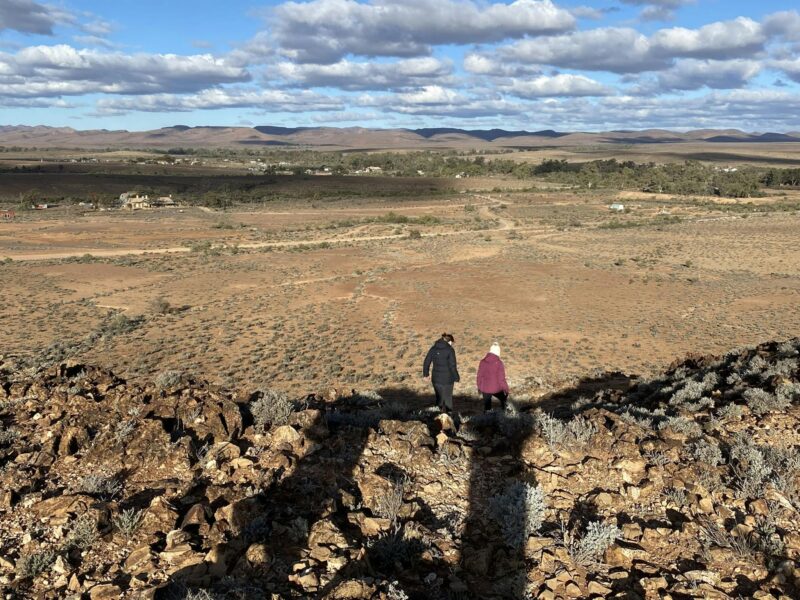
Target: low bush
x=271 y=408
x=128 y=521
x=100 y=486
x=31 y=565
x=520 y=512
x=588 y=549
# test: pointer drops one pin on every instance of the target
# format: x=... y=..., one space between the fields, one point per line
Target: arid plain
x=303 y=295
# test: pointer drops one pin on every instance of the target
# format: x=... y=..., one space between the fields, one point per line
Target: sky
x=568 y=65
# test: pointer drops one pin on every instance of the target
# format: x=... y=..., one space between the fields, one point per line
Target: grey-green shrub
x=31 y=565
x=128 y=521
x=520 y=511
x=588 y=549
x=271 y=408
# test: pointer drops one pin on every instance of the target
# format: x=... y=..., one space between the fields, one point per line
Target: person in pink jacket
x=492 y=378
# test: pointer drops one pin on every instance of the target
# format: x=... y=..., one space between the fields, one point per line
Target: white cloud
x=439 y=101
x=324 y=31
x=620 y=50
x=557 y=85
x=625 y=50
x=94 y=40
x=785 y=24
x=588 y=12
x=61 y=69
x=791 y=67
x=218 y=98
x=347 y=75
x=692 y=74
x=493 y=66
x=657 y=10
x=34 y=103
x=739 y=38
x=27 y=16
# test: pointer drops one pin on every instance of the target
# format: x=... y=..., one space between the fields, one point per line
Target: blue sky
x=532 y=64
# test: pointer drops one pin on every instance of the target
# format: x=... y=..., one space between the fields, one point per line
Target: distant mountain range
x=359 y=138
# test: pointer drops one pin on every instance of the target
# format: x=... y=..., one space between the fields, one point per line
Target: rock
x=258 y=554
x=311 y=423
x=706 y=505
x=352 y=590
x=536 y=544
x=445 y=423
x=285 y=434
x=63 y=506
x=370 y=526
x=759 y=507
x=598 y=589
x=177 y=538
x=60 y=566
x=140 y=560
x=6 y=566
x=698 y=576
x=307 y=579
x=631 y=469
x=606 y=500
x=8 y=498
x=573 y=591
x=160 y=517
x=105 y=591
x=632 y=532
x=72 y=440
x=198 y=515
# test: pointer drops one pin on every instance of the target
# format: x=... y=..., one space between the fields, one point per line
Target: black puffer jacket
x=443 y=358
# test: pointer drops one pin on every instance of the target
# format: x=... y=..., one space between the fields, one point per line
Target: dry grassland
x=297 y=297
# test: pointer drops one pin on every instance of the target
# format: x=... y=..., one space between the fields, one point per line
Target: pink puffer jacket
x=492 y=375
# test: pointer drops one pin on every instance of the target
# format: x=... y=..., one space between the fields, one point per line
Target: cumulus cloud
x=219 y=98
x=27 y=16
x=436 y=100
x=657 y=10
x=741 y=109
x=557 y=85
x=791 y=68
x=721 y=40
x=625 y=50
x=692 y=74
x=615 y=49
x=325 y=31
x=784 y=24
x=62 y=70
x=347 y=75
x=34 y=103
x=493 y=66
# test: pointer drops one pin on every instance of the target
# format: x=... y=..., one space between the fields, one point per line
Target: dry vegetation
x=353 y=291
x=228 y=454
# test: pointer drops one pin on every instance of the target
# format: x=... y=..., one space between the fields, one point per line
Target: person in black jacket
x=445 y=371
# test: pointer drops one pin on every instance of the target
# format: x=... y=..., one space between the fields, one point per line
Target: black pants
x=487 y=399
x=444 y=395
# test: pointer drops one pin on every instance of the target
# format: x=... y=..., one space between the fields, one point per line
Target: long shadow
x=265 y=546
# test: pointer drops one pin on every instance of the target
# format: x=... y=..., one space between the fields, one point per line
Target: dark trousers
x=444 y=395
x=487 y=399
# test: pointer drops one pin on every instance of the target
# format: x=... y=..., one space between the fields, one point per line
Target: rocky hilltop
x=684 y=486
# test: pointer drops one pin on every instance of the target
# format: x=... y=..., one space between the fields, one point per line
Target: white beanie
x=495 y=349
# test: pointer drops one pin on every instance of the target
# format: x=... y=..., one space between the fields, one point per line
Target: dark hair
x=448 y=337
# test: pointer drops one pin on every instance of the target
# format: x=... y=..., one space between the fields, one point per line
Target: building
x=133 y=201
x=617 y=207
x=164 y=201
